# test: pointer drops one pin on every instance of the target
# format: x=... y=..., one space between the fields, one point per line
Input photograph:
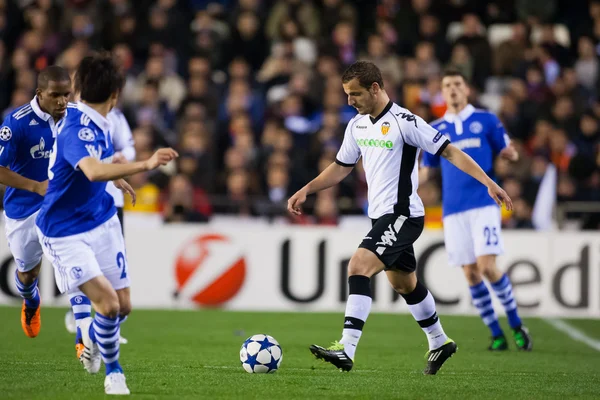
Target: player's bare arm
x=465 y=163
x=14 y=180
x=96 y=171
x=331 y=176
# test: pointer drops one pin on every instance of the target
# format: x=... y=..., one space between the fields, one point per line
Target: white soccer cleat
x=70 y=322
x=90 y=358
x=122 y=340
x=114 y=383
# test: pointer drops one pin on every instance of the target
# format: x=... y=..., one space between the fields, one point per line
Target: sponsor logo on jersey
x=476 y=127
x=5 y=133
x=437 y=137
x=384 y=144
x=471 y=143
x=408 y=117
x=361 y=127
x=33 y=122
x=385 y=128
x=38 y=151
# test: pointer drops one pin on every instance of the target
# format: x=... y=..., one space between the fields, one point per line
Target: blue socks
x=483 y=302
x=29 y=293
x=503 y=290
x=105 y=332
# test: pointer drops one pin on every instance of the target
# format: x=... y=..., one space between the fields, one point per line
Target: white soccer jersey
x=123 y=142
x=389 y=146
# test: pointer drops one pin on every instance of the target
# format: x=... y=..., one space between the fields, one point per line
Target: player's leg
x=27 y=252
x=482 y=300
x=503 y=290
x=363 y=265
x=81 y=309
x=460 y=246
x=123 y=316
x=109 y=248
x=26 y=282
x=421 y=305
x=489 y=244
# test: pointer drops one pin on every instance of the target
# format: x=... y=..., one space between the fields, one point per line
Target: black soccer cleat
x=523 y=338
x=335 y=355
x=436 y=358
x=499 y=343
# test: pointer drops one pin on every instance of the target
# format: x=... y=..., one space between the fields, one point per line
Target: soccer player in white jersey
x=26 y=140
x=472 y=220
x=388 y=138
x=77 y=223
x=122 y=139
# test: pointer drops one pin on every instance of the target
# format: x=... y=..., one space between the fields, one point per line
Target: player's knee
x=109 y=306
x=365 y=263
x=403 y=287
x=124 y=310
x=473 y=274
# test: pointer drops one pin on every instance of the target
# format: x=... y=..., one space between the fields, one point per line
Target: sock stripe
x=102 y=333
x=103 y=326
x=482 y=300
x=106 y=332
x=82 y=315
x=503 y=290
x=353 y=323
x=429 y=321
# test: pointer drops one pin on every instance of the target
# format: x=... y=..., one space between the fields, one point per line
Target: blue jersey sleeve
x=430 y=160
x=9 y=142
x=78 y=143
x=497 y=135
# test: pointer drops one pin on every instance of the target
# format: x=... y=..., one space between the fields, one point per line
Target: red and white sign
x=263 y=267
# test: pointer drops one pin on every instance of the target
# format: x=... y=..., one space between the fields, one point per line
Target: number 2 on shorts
x=122 y=265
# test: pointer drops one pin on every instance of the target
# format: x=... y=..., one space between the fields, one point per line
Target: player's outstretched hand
x=500 y=196
x=41 y=187
x=160 y=158
x=295 y=202
x=125 y=187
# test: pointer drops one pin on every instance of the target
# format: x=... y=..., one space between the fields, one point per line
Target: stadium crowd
x=249 y=91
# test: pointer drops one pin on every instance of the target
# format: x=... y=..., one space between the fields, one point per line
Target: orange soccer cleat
x=79 y=348
x=31 y=320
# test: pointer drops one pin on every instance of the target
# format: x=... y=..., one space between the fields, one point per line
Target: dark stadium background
x=249 y=91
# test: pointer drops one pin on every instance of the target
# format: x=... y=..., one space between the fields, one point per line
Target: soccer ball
x=261 y=354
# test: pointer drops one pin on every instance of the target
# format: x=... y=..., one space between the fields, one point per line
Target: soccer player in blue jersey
x=78 y=224
x=472 y=222
x=26 y=140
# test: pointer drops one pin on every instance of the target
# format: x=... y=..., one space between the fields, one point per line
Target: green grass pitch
x=195 y=354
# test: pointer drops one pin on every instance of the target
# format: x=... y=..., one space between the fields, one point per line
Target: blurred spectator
x=185 y=205
x=249 y=91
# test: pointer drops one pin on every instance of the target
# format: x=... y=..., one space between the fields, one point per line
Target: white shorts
x=23 y=241
x=473 y=233
x=82 y=257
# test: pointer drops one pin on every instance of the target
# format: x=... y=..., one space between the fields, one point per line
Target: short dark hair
x=98 y=78
x=52 y=73
x=454 y=72
x=366 y=72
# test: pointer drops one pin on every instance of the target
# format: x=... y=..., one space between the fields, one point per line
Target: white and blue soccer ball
x=261 y=354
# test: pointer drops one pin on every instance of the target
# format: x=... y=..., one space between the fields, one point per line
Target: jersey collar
x=462 y=115
x=382 y=113
x=35 y=106
x=95 y=116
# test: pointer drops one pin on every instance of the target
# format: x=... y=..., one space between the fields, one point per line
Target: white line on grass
x=573 y=332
